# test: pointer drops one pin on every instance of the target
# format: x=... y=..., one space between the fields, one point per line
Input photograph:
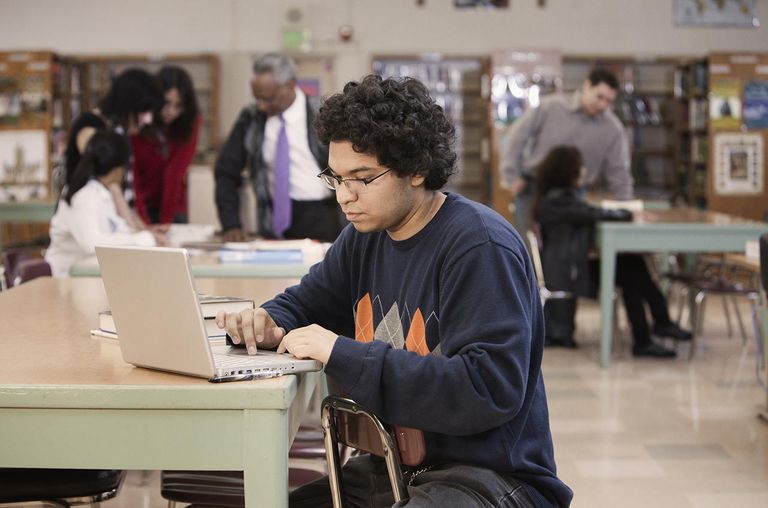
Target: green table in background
x=674 y=230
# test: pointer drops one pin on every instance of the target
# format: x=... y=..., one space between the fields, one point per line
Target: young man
x=583 y=120
x=425 y=310
x=275 y=141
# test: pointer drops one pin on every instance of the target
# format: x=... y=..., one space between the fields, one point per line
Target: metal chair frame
x=332 y=406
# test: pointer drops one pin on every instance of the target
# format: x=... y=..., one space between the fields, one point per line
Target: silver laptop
x=159 y=323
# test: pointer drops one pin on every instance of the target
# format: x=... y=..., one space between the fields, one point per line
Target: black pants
x=366 y=485
x=637 y=289
x=320 y=220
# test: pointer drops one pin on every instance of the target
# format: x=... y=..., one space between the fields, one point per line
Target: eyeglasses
x=353 y=184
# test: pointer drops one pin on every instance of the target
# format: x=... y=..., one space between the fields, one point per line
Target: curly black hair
x=396 y=121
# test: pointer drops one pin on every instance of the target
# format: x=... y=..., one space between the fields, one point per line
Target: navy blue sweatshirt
x=441 y=332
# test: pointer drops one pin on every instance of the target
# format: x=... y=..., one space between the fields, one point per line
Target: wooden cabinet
x=39 y=95
x=738 y=134
x=460 y=86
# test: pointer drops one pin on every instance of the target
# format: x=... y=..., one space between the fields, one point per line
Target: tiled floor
x=642 y=433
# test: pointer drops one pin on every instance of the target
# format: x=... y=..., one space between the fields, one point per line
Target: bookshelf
x=690 y=124
x=39 y=96
x=460 y=85
x=203 y=68
x=646 y=106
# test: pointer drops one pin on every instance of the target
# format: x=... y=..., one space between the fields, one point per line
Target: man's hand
x=312 y=341
x=517 y=186
x=251 y=327
x=234 y=235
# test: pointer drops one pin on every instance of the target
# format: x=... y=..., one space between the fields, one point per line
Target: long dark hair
x=170 y=77
x=105 y=151
x=559 y=169
x=132 y=92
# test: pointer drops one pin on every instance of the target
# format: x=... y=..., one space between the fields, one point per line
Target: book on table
x=210 y=305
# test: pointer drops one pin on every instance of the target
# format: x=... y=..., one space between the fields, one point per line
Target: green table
x=675 y=230
x=25 y=211
x=67 y=400
x=208 y=266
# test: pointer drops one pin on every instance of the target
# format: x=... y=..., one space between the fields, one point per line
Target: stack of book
x=210 y=305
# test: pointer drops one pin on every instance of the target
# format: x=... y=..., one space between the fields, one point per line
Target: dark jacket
x=567 y=227
x=243 y=150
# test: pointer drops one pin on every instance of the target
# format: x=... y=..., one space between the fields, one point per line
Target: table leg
x=265 y=459
x=607 y=278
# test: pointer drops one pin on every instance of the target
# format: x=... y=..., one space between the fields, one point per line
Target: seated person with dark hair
x=567 y=226
x=425 y=310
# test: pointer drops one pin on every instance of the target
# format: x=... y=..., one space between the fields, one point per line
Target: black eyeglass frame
x=327 y=177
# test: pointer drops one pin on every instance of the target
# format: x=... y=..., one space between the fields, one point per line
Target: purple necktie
x=281 y=197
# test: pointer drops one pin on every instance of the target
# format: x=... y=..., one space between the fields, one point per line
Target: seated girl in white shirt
x=86 y=215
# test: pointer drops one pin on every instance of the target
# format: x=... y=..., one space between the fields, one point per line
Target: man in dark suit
x=275 y=142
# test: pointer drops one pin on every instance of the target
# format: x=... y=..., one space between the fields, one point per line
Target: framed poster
x=738 y=163
x=23 y=165
x=756 y=104
x=725 y=103
x=715 y=13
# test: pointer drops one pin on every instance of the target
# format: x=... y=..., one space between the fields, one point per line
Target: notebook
x=157 y=314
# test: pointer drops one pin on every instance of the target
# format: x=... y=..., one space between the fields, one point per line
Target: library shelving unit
x=738 y=134
x=203 y=68
x=39 y=95
x=460 y=85
x=691 y=141
x=646 y=107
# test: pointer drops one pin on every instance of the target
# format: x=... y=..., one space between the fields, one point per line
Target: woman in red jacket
x=161 y=162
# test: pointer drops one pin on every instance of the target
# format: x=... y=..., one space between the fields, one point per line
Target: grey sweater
x=559 y=120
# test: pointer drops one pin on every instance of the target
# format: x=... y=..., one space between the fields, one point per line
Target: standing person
x=87 y=215
x=567 y=224
x=161 y=161
x=583 y=120
x=129 y=106
x=275 y=141
x=425 y=310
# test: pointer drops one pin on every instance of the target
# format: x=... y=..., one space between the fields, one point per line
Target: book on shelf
x=210 y=305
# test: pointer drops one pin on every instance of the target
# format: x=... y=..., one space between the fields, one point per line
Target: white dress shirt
x=89 y=221
x=305 y=186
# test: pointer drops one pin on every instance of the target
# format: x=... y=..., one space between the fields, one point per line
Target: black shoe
x=568 y=343
x=653 y=350
x=672 y=331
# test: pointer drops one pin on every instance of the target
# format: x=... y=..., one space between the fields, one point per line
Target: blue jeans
x=366 y=485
